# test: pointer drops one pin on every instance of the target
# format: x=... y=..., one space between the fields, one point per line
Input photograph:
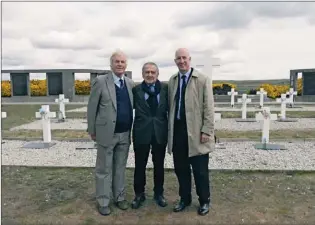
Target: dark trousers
x=182 y=168
x=141 y=159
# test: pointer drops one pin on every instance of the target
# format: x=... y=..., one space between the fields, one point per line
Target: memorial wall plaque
x=54 y=83
x=309 y=83
x=19 y=84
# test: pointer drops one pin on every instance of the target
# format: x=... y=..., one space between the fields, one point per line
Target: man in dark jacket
x=150 y=132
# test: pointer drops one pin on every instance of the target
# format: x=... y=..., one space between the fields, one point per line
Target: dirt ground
x=66 y=196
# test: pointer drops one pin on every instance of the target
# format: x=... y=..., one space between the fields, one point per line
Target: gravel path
x=224 y=124
x=228 y=109
x=237 y=155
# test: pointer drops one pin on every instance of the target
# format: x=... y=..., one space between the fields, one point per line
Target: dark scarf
x=152 y=100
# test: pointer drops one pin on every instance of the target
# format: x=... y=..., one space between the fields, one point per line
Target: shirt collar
x=186 y=74
x=116 y=78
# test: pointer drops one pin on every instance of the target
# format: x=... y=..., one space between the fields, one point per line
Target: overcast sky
x=252 y=40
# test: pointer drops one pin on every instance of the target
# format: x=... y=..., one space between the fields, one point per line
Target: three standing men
x=190 y=129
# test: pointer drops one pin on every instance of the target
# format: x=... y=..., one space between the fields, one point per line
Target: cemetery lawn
x=289 y=114
x=20 y=114
x=66 y=196
x=81 y=134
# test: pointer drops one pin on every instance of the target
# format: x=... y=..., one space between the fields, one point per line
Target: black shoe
x=137 y=201
x=104 y=210
x=160 y=200
x=203 y=209
x=123 y=205
x=181 y=205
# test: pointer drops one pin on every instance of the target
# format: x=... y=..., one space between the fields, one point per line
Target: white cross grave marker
x=45 y=114
x=217 y=117
x=291 y=94
x=232 y=93
x=62 y=111
x=244 y=100
x=283 y=100
x=3 y=114
x=261 y=92
x=265 y=116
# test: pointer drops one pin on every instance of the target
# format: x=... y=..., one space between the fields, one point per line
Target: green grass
x=252 y=135
x=289 y=114
x=21 y=114
x=36 y=196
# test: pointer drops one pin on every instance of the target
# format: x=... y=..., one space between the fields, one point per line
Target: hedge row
x=82 y=87
x=39 y=88
x=275 y=91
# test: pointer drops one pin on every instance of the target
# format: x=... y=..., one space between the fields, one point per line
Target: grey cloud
x=240 y=15
x=12 y=62
x=165 y=64
x=123 y=31
x=57 y=41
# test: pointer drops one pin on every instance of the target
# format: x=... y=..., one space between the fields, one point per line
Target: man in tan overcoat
x=110 y=117
x=191 y=130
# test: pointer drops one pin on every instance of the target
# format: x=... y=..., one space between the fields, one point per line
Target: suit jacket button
x=114 y=121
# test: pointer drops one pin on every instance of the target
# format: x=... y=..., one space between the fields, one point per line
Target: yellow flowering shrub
x=275 y=91
x=5 y=88
x=38 y=87
x=82 y=87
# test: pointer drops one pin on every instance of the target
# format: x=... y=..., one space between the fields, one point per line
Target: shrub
x=222 y=88
x=38 y=87
x=5 y=88
x=82 y=87
x=275 y=91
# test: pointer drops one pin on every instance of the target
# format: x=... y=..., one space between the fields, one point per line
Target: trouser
x=182 y=167
x=142 y=152
x=110 y=169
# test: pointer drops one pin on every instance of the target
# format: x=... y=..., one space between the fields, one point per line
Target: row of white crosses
x=261 y=92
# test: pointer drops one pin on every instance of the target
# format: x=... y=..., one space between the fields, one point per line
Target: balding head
x=182 y=51
x=182 y=59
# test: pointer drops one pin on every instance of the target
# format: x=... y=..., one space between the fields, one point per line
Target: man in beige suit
x=110 y=118
x=191 y=130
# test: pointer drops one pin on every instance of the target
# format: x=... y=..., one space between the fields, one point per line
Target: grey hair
x=117 y=52
x=152 y=64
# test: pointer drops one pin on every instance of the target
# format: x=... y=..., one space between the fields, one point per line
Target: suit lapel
x=175 y=87
x=111 y=87
x=140 y=93
x=161 y=101
x=129 y=88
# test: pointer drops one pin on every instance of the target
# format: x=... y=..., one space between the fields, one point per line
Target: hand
x=93 y=137
x=204 y=138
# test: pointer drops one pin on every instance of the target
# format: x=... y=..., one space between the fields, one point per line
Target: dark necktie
x=182 y=98
x=121 y=83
